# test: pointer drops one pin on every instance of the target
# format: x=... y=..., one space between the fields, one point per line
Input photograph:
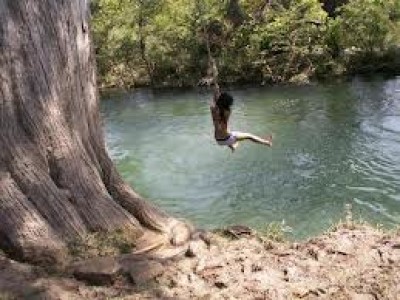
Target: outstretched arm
x=217 y=93
x=214 y=73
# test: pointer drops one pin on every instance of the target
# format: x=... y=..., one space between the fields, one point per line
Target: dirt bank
x=350 y=262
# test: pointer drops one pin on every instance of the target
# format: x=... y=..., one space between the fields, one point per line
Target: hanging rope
x=212 y=70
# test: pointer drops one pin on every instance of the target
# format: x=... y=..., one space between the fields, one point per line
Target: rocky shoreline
x=349 y=262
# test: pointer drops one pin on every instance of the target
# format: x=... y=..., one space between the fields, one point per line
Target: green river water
x=333 y=144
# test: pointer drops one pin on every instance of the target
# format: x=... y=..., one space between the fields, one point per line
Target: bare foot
x=268 y=140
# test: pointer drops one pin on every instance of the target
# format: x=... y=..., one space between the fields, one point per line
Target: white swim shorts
x=230 y=140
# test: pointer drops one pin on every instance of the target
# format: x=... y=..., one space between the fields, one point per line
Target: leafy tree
x=365 y=25
x=367 y=34
x=291 y=41
x=164 y=42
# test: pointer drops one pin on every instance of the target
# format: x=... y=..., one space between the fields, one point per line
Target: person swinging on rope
x=220 y=108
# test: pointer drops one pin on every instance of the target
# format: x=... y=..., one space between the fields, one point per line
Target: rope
x=212 y=70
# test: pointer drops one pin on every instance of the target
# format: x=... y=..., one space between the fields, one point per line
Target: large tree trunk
x=56 y=179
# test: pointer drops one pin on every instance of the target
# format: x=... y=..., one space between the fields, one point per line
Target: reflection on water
x=333 y=144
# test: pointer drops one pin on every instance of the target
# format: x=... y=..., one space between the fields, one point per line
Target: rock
x=237 y=231
x=196 y=248
x=192 y=277
x=181 y=233
x=143 y=271
x=300 y=292
x=313 y=253
x=355 y=296
x=268 y=245
x=396 y=246
x=220 y=284
x=207 y=238
x=203 y=235
x=205 y=297
x=168 y=253
x=256 y=267
x=200 y=265
x=97 y=271
x=295 y=246
x=186 y=265
x=182 y=280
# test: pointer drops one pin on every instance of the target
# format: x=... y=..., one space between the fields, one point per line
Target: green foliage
x=365 y=25
x=164 y=42
x=291 y=41
x=367 y=33
x=274 y=231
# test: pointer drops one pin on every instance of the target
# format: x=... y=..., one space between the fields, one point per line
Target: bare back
x=221 y=130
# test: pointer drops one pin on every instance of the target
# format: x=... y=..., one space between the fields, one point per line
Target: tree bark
x=235 y=13
x=142 y=44
x=330 y=6
x=57 y=181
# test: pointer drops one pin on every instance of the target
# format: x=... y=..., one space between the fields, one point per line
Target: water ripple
x=332 y=144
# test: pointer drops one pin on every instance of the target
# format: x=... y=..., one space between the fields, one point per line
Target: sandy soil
x=350 y=262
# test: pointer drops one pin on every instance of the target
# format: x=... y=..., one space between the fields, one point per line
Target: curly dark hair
x=224 y=101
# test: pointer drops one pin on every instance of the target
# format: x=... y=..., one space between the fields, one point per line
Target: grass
x=274 y=231
x=103 y=244
x=350 y=223
x=279 y=231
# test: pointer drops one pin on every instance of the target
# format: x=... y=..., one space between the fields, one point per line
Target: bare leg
x=241 y=136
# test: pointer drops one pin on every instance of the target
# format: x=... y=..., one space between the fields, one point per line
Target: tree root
x=177 y=234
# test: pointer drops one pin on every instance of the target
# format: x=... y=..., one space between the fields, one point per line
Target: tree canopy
x=161 y=42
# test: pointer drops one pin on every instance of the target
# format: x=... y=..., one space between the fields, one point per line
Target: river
x=334 y=144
